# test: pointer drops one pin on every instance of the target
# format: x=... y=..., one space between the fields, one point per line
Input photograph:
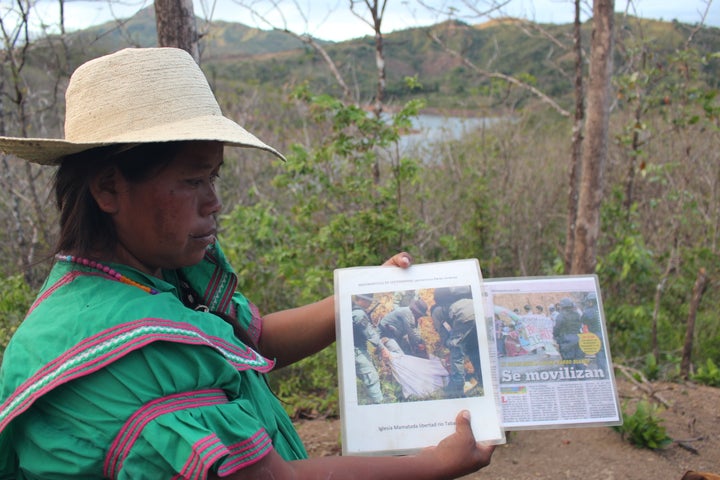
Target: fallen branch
x=685 y=445
x=632 y=374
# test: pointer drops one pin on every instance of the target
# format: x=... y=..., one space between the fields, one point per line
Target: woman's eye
x=196 y=182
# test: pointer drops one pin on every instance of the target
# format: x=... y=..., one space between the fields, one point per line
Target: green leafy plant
x=338 y=203
x=16 y=298
x=652 y=369
x=643 y=428
x=308 y=389
x=708 y=374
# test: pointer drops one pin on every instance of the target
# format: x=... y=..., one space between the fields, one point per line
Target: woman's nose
x=211 y=204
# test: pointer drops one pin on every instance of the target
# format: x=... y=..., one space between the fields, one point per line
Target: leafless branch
x=476 y=12
x=512 y=80
x=306 y=38
x=700 y=24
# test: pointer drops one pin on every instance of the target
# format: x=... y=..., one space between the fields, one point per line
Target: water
x=428 y=129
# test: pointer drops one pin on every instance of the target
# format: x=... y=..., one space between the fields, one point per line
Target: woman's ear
x=104 y=189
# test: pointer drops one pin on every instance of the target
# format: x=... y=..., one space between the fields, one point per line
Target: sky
x=332 y=19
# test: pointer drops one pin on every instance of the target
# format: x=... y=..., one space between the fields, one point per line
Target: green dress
x=105 y=380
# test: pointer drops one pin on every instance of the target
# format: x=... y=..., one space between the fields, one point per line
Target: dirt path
x=691 y=417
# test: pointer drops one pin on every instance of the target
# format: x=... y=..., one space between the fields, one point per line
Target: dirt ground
x=690 y=413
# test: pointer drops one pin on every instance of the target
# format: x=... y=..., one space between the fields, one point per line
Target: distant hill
x=219 y=39
x=500 y=46
x=243 y=55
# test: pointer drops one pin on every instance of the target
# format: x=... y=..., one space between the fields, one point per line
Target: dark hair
x=85 y=228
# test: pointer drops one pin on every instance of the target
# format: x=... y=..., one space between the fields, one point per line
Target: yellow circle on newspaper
x=589 y=343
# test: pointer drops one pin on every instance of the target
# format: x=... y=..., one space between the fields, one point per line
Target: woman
x=139 y=359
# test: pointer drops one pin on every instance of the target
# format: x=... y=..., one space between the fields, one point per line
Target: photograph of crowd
x=413 y=345
x=555 y=327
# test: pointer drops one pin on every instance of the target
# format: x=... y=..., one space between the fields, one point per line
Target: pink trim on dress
x=131 y=430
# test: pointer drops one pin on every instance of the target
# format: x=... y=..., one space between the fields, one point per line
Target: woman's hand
x=402 y=260
x=459 y=454
x=455 y=456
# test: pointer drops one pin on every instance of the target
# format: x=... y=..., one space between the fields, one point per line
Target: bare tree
x=671 y=267
x=697 y=293
x=584 y=257
x=490 y=9
x=577 y=139
x=176 y=26
x=586 y=158
x=306 y=38
x=377 y=11
x=19 y=178
x=498 y=75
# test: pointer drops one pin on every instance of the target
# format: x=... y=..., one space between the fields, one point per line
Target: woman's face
x=167 y=221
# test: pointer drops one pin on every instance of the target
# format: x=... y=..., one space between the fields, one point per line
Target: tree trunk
x=380 y=64
x=659 y=289
x=596 y=140
x=377 y=14
x=175 y=20
x=577 y=139
x=377 y=11
x=698 y=290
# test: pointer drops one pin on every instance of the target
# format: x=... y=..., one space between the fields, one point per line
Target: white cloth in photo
x=418 y=377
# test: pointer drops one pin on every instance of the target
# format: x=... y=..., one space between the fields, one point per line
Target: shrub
x=652 y=369
x=330 y=210
x=16 y=298
x=708 y=374
x=308 y=389
x=643 y=428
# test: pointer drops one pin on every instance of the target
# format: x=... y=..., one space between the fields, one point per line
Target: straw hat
x=136 y=95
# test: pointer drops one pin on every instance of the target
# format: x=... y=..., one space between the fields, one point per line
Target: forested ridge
x=351 y=194
x=525 y=50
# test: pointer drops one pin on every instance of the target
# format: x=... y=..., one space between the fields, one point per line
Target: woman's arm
x=291 y=335
x=455 y=456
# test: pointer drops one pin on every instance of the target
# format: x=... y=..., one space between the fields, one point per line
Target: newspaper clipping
x=554 y=364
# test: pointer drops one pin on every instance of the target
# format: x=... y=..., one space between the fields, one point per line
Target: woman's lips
x=206 y=237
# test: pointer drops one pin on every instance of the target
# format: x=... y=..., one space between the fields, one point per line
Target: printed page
x=413 y=351
x=554 y=366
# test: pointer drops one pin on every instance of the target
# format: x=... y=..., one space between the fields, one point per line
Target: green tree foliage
x=16 y=298
x=661 y=222
x=629 y=274
x=330 y=209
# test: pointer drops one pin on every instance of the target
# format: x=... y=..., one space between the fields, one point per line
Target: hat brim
x=216 y=128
